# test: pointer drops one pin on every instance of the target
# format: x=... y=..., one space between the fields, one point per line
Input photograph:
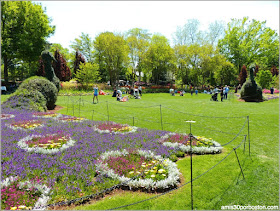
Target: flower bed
x=7 y=116
x=70 y=119
x=46 y=114
x=16 y=195
x=139 y=169
x=267 y=91
x=26 y=124
x=115 y=128
x=200 y=144
x=46 y=144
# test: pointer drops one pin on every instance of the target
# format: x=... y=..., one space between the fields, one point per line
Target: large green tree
x=138 y=42
x=159 y=59
x=24 y=29
x=84 y=44
x=250 y=41
x=112 y=53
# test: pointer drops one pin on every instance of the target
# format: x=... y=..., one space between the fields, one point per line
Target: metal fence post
x=161 y=117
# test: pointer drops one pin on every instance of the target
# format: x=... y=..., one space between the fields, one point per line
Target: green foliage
x=264 y=78
x=138 y=42
x=159 y=58
x=251 y=91
x=180 y=154
x=87 y=73
x=84 y=44
x=24 y=29
x=112 y=54
x=275 y=81
x=247 y=41
x=50 y=75
x=43 y=85
x=26 y=99
x=173 y=157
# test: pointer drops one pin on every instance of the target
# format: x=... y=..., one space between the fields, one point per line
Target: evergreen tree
x=274 y=71
x=62 y=71
x=41 y=68
x=78 y=59
x=243 y=75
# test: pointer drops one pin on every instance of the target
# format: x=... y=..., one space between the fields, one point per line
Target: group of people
x=223 y=93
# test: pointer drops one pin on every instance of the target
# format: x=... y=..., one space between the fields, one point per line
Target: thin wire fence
x=77 y=104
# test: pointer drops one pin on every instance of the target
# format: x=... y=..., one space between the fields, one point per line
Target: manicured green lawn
x=223 y=185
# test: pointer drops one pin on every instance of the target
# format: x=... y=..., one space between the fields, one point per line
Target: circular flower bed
x=46 y=144
x=200 y=144
x=115 y=128
x=70 y=119
x=16 y=195
x=139 y=169
x=7 y=116
x=46 y=114
x=26 y=124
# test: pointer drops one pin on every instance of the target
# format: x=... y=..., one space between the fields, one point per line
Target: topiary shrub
x=25 y=99
x=50 y=75
x=251 y=91
x=43 y=85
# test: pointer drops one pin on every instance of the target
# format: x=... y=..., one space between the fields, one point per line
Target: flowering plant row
x=139 y=169
x=26 y=124
x=70 y=119
x=7 y=116
x=200 y=144
x=47 y=144
x=267 y=91
x=16 y=195
x=115 y=128
x=46 y=114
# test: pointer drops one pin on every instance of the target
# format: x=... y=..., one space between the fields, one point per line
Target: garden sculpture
x=47 y=59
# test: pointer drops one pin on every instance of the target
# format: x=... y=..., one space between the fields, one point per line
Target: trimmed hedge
x=43 y=85
x=25 y=99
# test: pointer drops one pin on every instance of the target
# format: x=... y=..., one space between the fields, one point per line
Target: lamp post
x=190 y=135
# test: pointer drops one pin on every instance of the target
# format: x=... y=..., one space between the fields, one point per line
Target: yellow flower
x=143 y=166
x=164 y=175
x=131 y=172
x=153 y=175
x=144 y=163
x=21 y=206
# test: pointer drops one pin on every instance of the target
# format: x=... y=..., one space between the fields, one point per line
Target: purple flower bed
x=70 y=173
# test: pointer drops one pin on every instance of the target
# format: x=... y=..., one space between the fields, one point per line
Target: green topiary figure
x=251 y=91
x=43 y=85
x=47 y=59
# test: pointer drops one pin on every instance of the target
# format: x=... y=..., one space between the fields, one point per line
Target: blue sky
x=93 y=17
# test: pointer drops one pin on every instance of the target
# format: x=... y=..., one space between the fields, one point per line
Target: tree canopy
x=24 y=29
